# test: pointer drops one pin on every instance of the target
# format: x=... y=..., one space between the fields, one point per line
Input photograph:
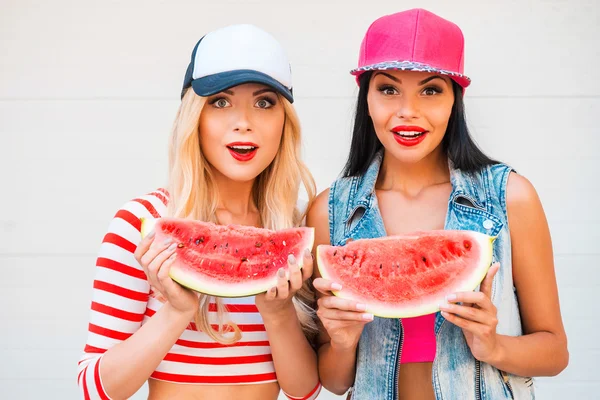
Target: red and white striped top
x=123 y=301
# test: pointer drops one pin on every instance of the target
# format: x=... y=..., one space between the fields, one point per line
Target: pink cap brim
x=461 y=79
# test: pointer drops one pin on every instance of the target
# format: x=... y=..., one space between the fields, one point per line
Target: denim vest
x=477 y=203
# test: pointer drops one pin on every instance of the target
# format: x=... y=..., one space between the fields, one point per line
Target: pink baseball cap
x=414 y=40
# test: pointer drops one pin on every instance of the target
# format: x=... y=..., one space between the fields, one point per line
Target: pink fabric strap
x=418 y=343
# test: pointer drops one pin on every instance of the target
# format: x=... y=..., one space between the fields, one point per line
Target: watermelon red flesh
x=408 y=275
x=228 y=260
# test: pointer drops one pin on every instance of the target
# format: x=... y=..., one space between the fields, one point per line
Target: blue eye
x=220 y=102
x=265 y=103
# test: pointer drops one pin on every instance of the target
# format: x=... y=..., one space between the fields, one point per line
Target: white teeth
x=243 y=147
x=410 y=134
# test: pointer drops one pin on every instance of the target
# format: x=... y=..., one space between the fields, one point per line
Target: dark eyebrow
x=424 y=81
x=389 y=76
x=261 y=91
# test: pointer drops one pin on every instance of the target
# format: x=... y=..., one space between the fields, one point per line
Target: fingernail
x=451 y=297
x=336 y=286
x=443 y=306
x=173 y=256
x=361 y=307
x=367 y=317
x=291 y=259
x=172 y=247
x=307 y=253
x=151 y=234
x=281 y=272
x=273 y=289
x=444 y=314
x=167 y=241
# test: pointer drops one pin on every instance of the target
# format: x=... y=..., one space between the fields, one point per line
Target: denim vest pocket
x=519 y=387
x=364 y=222
x=476 y=219
x=503 y=385
x=507 y=386
x=468 y=201
x=355 y=217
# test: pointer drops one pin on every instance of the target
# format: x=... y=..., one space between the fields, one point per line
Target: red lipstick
x=242 y=151
x=409 y=135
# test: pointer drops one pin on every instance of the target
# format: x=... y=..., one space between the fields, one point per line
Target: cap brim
x=215 y=83
x=461 y=79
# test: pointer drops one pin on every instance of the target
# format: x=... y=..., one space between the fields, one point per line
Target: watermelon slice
x=228 y=260
x=409 y=275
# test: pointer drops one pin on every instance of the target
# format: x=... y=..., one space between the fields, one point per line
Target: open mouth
x=410 y=135
x=409 y=138
x=243 y=150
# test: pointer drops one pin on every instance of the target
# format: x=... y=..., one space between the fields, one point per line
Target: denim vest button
x=488 y=224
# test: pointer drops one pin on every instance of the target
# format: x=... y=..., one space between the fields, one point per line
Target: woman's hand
x=277 y=301
x=156 y=260
x=477 y=317
x=343 y=319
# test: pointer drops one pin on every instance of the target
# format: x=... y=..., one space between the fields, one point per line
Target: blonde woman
x=234 y=159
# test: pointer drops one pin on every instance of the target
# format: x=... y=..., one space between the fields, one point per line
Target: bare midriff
x=161 y=390
x=414 y=382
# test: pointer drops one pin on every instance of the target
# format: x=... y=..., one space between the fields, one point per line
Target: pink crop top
x=418 y=342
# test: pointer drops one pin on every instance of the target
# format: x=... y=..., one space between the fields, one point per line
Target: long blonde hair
x=194 y=195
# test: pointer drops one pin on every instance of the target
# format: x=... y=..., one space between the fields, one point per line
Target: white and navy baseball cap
x=235 y=55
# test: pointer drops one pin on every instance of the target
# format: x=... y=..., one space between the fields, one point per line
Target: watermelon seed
x=226 y=245
x=258 y=244
x=467 y=245
x=236 y=250
x=200 y=240
x=424 y=259
x=244 y=259
x=214 y=247
x=267 y=251
x=272 y=241
x=284 y=243
x=380 y=266
x=334 y=252
x=177 y=231
x=180 y=245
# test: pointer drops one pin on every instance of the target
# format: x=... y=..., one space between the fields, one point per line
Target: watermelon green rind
x=386 y=310
x=206 y=285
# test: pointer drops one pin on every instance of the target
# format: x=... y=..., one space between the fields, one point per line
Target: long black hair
x=457 y=142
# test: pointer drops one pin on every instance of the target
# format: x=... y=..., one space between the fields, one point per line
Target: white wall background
x=88 y=90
